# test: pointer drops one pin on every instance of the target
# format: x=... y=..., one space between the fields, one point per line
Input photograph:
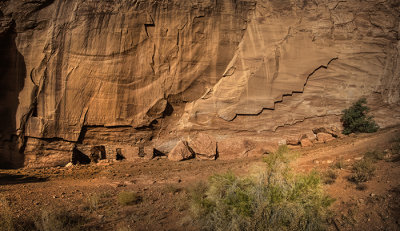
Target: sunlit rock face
x=137 y=75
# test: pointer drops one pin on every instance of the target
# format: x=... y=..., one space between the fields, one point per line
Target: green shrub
x=275 y=199
x=355 y=119
x=128 y=198
x=363 y=170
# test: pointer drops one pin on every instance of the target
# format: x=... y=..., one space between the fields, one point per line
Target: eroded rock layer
x=133 y=78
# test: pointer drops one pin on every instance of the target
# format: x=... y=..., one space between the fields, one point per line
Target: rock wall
x=145 y=74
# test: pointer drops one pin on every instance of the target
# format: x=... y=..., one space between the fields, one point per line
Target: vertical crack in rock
x=152 y=59
x=178 y=39
x=149 y=23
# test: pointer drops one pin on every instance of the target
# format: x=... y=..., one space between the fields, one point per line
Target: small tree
x=355 y=119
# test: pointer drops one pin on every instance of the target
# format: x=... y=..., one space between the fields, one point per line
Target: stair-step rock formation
x=136 y=77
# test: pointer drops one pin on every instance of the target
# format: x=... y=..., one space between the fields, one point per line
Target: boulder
x=320 y=130
x=292 y=141
x=180 y=152
x=234 y=148
x=333 y=130
x=204 y=146
x=306 y=142
x=324 y=137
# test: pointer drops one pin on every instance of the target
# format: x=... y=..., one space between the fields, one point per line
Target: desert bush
x=6 y=218
x=93 y=202
x=395 y=147
x=361 y=187
x=339 y=164
x=128 y=198
x=330 y=176
x=355 y=119
x=363 y=170
x=275 y=199
x=374 y=155
x=172 y=188
x=59 y=219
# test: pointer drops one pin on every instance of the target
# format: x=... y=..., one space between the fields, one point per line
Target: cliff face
x=136 y=74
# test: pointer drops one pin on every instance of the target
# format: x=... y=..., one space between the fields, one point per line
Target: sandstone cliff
x=134 y=75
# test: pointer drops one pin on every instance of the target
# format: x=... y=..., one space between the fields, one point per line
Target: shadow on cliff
x=12 y=78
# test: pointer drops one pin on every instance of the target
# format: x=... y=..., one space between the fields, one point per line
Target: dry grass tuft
x=6 y=218
x=363 y=170
x=128 y=198
x=59 y=219
x=330 y=176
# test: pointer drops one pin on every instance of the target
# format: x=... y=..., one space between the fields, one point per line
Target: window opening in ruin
x=119 y=155
x=98 y=153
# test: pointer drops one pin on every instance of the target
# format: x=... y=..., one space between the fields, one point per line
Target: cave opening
x=119 y=155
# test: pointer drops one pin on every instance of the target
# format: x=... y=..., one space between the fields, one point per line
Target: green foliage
x=275 y=199
x=355 y=119
x=363 y=170
x=128 y=198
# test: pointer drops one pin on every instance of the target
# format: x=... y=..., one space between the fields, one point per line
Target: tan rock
x=148 y=152
x=69 y=165
x=204 y=146
x=320 y=130
x=324 y=137
x=234 y=148
x=306 y=142
x=333 y=130
x=180 y=152
x=129 y=153
x=293 y=147
x=292 y=141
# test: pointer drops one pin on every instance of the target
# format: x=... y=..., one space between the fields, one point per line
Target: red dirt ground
x=163 y=185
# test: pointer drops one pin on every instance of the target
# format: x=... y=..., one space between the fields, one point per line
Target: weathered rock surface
x=306 y=142
x=134 y=73
x=234 y=148
x=324 y=137
x=180 y=152
x=204 y=146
